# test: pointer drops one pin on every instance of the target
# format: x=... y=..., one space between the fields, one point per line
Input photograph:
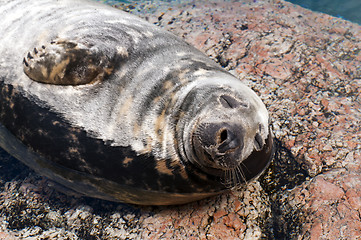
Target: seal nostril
x=258 y=142
x=224 y=135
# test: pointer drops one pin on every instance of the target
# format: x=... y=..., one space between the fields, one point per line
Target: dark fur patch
x=53 y=138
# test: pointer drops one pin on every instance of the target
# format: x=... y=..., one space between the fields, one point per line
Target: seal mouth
x=252 y=167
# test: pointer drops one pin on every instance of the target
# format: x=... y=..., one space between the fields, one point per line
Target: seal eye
x=229 y=102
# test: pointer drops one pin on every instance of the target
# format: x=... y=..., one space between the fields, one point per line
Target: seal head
x=227 y=130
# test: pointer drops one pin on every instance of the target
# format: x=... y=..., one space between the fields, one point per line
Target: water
x=346 y=9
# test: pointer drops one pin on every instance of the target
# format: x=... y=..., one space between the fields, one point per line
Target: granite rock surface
x=306 y=67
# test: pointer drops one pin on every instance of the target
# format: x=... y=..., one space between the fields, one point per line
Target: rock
x=306 y=68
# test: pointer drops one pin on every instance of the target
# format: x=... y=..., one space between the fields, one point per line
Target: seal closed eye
x=116 y=108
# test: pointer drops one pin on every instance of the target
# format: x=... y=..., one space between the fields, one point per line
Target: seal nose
x=219 y=144
x=228 y=140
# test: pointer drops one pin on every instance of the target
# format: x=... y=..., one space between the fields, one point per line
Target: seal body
x=115 y=108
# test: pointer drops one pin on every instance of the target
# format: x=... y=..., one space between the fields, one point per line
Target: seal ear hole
x=223 y=135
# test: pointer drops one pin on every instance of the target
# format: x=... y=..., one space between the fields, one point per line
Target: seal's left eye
x=228 y=101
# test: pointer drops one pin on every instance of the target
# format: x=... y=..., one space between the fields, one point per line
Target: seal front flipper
x=69 y=63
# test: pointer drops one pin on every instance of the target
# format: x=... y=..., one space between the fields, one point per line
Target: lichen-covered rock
x=306 y=68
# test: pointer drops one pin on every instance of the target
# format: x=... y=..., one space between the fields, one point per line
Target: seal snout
x=219 y=144
x=228 y=140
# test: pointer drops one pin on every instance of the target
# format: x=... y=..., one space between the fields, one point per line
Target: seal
x=116 y=108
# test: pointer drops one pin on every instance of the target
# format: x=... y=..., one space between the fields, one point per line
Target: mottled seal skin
x=115 y=108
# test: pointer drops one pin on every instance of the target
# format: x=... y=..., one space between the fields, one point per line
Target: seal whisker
x=227 y=178
x=237 y=179
x=234 y=177
x=241 y=175
x=244 y=166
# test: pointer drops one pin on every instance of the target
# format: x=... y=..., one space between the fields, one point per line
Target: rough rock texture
x=306 y=67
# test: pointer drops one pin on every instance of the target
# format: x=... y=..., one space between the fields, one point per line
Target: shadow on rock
x=284 y=173
x=31 y=206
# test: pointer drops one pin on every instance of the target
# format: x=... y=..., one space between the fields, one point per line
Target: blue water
x=346 y=9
